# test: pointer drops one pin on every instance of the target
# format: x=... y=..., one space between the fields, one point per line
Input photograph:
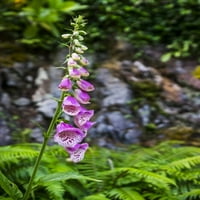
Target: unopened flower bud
x=77 y=43
x=83 y=47
x=79 y=50
x=82 y=32
x=75 y=56
x=66 y=36
x=81 y=38
x=84 y=61
x=75 y=33
x=71 y=63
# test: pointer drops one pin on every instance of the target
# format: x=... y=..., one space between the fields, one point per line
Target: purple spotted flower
x=65 y=84
x=83 y=72
x=71 y=106
x=67 y=135
x=83 y=116
x=77 y=152
x=85 y=127
x=82 y=96
x=85 y=85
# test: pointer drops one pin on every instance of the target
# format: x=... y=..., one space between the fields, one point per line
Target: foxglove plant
x=72 y=102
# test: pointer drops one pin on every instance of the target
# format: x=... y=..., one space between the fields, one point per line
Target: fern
x=191 y=195
x=186 y=163
x=96 y=197
x=55 y=190
x=124 y=193
x=12 y=154
x=9 y=187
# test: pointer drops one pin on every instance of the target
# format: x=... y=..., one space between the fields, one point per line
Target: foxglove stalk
x=70 y=136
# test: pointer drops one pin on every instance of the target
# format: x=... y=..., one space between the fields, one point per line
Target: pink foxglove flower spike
x=76 y=96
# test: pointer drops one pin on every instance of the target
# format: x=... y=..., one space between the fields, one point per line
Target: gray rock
x=118 y=121
x=5 y=137
x=5 y=100
x=132 y=136
x=116 y=92
x=47 y=107
x=145 y=113
x=22 y=101
x=37 y=135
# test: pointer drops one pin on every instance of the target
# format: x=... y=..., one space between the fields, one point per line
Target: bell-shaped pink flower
x=85 y=127
x=81 y=96
x=65 y=84
x=71 y=63
x=77 y=152
x=83 y=116
x=85 y=85
x=83 y=72
x=67 y=135
x=71 y=106
x=74 y=73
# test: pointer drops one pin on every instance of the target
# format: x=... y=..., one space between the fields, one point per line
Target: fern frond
x=9 y=187
x=155 y=179
x=125 y=193
x=55 y=190
x=62 y=176
x=186 y=163
x=191 y=195
x=98 y=196
x=10 y=154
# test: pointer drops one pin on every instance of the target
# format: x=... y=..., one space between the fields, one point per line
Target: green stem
x=46 y=138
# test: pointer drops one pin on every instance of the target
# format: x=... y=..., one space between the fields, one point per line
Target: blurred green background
x=171 y=23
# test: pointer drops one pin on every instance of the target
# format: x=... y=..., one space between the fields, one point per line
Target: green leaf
x=166 y=57
x=96 y=197
x=196 y=72
x=62 y=176
x=10 y=188
x=125 y=193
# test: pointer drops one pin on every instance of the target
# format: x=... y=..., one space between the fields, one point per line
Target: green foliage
x=174 y=24
x=9 y=187
x=38 y=23
x=169 y=170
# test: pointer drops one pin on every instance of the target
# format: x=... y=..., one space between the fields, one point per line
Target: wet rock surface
x=134 y=103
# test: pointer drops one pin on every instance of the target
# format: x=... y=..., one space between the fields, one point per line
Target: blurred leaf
x=196 y=72
x=30 y=32
x=166 y=57
x=9 y=187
